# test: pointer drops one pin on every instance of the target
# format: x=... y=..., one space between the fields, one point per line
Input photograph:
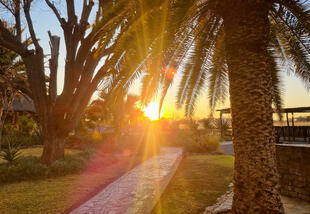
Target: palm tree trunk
x=256 y=186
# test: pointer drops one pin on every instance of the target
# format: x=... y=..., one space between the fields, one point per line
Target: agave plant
x=11 y=152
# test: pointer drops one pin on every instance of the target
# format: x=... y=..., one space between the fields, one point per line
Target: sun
x=152 y=111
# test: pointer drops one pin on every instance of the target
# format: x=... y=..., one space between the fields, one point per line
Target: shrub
x=71 y=164
x=89 y=140
x=211 y=143
x=30 y=168
x=22 y=140
x=26 y=168
x=206 y=144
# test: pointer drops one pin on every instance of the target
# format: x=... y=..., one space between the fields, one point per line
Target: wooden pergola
x=287 y=111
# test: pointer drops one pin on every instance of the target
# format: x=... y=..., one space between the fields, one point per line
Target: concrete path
x=138 y=190
x=295 y=206
x=227 y=147
x=291 y=205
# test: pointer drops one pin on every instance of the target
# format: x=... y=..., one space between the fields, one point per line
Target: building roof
x=297 y=110
x=284 y=110
x=21 y=105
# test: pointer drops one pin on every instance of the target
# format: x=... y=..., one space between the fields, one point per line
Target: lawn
x=57 y=195
x=198 y=182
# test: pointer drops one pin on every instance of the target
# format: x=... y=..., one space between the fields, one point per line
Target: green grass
x=55 y=195
x=44 y=196
x=198 y=182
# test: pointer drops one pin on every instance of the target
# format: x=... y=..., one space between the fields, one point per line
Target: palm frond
x=200 y=59
x=276 y=83
x=218 y=78
x=290 y=47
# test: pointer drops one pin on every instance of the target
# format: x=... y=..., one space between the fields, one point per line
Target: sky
x=294 y=92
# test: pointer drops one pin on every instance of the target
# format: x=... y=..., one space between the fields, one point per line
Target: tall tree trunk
x=2 y=116
x=1 y=128
x=53 y=148
x=256 y=186
x=1 y=122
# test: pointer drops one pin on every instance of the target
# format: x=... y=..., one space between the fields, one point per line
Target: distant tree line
x=303 y=119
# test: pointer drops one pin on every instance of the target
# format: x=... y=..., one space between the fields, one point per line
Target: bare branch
x=17 y=20
x=86 y=11
x=52 y=6
x=8 y=6
x=27 y=4
x=14 y=8
x=74 y=33
x=53 y=64
x=9 y=41
x=72 y=18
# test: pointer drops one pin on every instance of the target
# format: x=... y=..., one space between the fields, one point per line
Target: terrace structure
x=284 y=134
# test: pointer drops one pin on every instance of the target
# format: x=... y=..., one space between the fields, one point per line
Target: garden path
x=138 y=190
x=291 y=205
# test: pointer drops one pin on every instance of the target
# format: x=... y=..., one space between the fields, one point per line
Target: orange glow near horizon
x=152 y=111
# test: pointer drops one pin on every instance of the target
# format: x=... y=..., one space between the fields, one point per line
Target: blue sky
x=294 y=92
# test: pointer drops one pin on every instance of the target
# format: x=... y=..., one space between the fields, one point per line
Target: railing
x=296 y=133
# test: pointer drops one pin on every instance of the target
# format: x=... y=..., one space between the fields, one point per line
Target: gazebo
x=289 y=132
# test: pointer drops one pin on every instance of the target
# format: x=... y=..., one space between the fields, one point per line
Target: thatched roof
x=21 y=105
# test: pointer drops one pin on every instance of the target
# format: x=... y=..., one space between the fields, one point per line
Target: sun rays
x=152 y=111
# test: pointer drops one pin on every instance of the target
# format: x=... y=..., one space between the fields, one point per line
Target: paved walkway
x=291 y=205
x=138 y=190
x=295 y=206
x=227 y=147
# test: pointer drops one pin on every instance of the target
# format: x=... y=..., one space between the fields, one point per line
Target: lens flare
x=152 y=111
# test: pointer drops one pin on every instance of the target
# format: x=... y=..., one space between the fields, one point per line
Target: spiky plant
x=11 y=152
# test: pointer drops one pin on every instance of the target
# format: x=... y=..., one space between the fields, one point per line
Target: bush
x=211 y=143
x=22 y=140
x=71 y=164
x=23 y=128
x=30 y=168
x=26 y=168
x=206 y=144
x=176 y=138
x=89 y=140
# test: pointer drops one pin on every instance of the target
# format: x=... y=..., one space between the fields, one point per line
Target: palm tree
x=241 y=43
